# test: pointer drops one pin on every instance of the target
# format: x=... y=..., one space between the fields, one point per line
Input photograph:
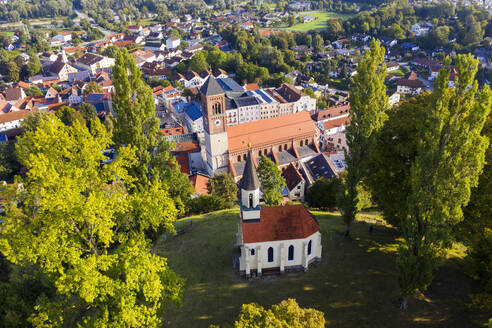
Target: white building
x=301 y=101
x=62 y=37
x=94 y=63
x=273 y=239
x=12 y=120
x=173 y=43
x=394 y=98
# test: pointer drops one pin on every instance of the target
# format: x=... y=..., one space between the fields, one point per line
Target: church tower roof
x=249 y=181
x=211 y=87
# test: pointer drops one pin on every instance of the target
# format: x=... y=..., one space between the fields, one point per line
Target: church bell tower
x=214 y=124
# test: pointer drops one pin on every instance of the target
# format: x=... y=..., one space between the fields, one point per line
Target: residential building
x=94 y=63
x=295 y=184
x=173 y=43
x=410 y=85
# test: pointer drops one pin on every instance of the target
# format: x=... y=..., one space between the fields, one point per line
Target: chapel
x=274 y=239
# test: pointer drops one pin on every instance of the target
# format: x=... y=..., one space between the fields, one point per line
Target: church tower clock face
x=217 y=122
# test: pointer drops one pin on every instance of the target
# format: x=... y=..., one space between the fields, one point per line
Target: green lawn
x=319 y=23
x=402 y=71
x=355 y=285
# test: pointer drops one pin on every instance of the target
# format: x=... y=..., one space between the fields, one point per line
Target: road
x=81 y=16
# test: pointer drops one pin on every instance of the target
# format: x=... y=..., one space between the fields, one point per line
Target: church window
x=250 y=200
x=216 y=108
x=270 y=254
x=280 y=148
x=285 y=147
x=301 y=143
x=259 y=152
x=307 y=142
x=244 y=156
x=239 y=158
x=291 y=253
x=310 y=247
x=265 y=152
x=252 y=252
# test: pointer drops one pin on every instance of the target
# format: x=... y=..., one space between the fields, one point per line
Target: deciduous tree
x=368 y=103
x=286 y=314
x=450 y=157
x=223 y=186
x=92 y=87
x=136 y=125
x=272 y=182
x=392 y=156
x=68 y=216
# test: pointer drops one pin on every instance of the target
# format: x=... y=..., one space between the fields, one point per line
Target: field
x=355 y=285
x=319 y=23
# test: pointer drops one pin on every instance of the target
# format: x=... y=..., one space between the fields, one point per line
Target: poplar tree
x=137 y=125
x=450 y=157
x=272 y=182
x=368 y=103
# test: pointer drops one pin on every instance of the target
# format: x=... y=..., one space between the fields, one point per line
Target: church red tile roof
x=280 y=223
x=270 y=130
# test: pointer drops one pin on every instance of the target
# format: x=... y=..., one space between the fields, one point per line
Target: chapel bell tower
x=250 y=192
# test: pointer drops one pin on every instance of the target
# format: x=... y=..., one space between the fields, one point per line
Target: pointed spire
x=249 y=181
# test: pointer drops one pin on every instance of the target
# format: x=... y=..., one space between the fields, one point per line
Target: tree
x=137 y=125
x=34 y=65
x=223 y=186
x=291 y=20
x=272 y=182
x=13 y=71
x=69 y=218
x=476 y=229
x=473 y=32
x=199 y=62
x=286 y=314
x=318 y=43
x=88 y=112
x=92 y=87
x=69 y=115
x=450 y=157
x=392 y=156
x=368 y=103
x=110 y=51
x=438 y=37
x=9 y=165
x=323 y=194
x=204 y=204
x=33 y=91
x=334 y=29
x=32 y=121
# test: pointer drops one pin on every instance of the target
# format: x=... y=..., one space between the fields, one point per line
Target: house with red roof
x=274 y=239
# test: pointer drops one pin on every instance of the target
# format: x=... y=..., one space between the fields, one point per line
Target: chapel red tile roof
x=280 y=223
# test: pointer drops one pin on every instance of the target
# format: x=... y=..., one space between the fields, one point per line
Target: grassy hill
x=355 y=285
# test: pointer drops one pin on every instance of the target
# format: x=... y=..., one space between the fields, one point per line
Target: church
x=286 y=137
x=273 y=239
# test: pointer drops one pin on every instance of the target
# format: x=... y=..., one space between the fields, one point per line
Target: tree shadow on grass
x=355 y=285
